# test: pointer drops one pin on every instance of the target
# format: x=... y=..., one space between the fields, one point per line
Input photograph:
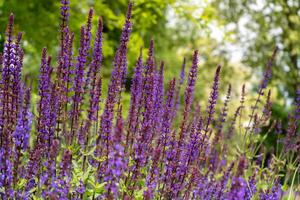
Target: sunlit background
x=240 y=35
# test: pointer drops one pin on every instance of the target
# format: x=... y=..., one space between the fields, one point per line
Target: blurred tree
x=175 y=25
x=39 y=22
x=257 y=26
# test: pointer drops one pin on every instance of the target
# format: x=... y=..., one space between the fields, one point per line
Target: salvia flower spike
x=70 y=142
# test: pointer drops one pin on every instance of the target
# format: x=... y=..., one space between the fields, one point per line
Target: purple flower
x=188 y=98
x=79 y=81
x=95 y=65
x=267 y=110
x=16 y=72
x=189 y=91
x=167 y=115
x=233 y=122
x=8 y=113
x=61 y=185
x=275 y=193
x=289 y=141
x=153 y=175
x=297 y=105
x=268 y=71
x=45 y=97
x=159 y=97
x=189 y=95
x=135 y=102
x=220 y=192
x=116 y=161
x=95 y=86
x=150 y=154
x=251 y=189
x=116 y=84
x=65 y=12
x=213 y=99
x=23 y=127
x=142 y=146
x=222 y=118
x=81 y=188
x=238 y=189
x=178 y=89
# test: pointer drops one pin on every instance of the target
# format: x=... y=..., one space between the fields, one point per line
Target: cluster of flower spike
x=68 y=147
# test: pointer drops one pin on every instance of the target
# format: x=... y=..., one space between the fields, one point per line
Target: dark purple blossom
x=213 y=99
x=61 y=185
x=222 y=117
x=142 y=147
x=188 y=99
x=268 y=70
x=65 y=12
x=116 y=84
x=251 y=189
x=135 y=102
x=297 y=105
x=116 y=161
x=179 y=86
x=238 y=189
x=23 y=127
x=79 y=80
x=44 y=103
x=275 y=193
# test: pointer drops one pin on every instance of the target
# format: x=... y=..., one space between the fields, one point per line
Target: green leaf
x=21 y=183
x=139 y=194
x=99 y=188
x=90 y=152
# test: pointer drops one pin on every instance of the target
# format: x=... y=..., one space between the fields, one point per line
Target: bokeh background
x=238 y=34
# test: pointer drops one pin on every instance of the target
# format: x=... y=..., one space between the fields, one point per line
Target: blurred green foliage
x=260 y=25
x=177 y=27
x=39 y=22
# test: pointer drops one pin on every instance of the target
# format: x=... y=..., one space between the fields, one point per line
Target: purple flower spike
x=61 y=185
x=188 y=98
x=175 y=163
x=251 y=189
x=79 y=82
x=115 y=87
x=135 y=102
x=116 y=163
x=189 y=92
x=147 y=126
x=45 y=94
x=182 y=73
x=268 y=71
x=9 y=65
x=167 y=115
x=16 y=72
x=233 y=122
x=65 y=12
x=297 y=105
x=95 y=65
x=159 y=97
x=275 y=193
x=238 y=189
x=21 y=133
x=95 y=84
x=178 y=89
x=213 y=99
x=222 y=117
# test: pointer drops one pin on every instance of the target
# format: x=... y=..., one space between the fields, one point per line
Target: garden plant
x=77 y=141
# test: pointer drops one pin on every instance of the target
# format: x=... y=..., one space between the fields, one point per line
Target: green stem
x=294 y=176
